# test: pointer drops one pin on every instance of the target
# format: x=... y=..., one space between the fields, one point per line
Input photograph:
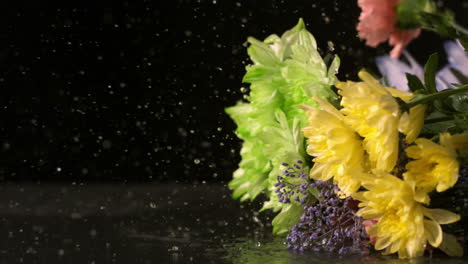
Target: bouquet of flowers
x=350 y=166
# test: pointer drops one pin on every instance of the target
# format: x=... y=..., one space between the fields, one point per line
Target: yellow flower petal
x=374 y=114
x=382 y=243
x=336 y=147
x=421 y=195
x=395 y=246
x=457 y=142
x=435 y=167
x=433 y=232
x=414 y=248
x=325 y=105
x=317 y=172
x=411 y=123
x=372 y=82
x=368 y=213
x=405 y=96
x=402 y=226
x=441 y=216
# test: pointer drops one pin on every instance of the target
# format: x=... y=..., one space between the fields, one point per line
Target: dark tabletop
x=163 y=223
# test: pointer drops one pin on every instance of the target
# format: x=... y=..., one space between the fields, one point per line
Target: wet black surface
x=120 y=223
x=144 y=224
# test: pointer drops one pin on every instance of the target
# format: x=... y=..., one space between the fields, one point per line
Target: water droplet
x=331 y=46
x=174 y=248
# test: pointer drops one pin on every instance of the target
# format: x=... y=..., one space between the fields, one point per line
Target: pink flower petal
x=367 y=225
x=377 y=24
x=400 y=39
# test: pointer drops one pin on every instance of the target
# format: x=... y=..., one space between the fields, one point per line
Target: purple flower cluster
x=293 y=184
x=329 y=225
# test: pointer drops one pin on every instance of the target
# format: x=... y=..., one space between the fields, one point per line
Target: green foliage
x=429 y=86
x=288 y=217
x=286 y=72
x=414 y=83
x=448 y=109
x=409 y=12
x=464 y=41
x=413 y=14
x=430 y=69
x=444 y=23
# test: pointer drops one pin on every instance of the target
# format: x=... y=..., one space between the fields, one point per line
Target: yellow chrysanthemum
x=458 y=142
x=336 y=147
x=435 y=167
x=372 y=111
x=411 y=122
x=404 y=225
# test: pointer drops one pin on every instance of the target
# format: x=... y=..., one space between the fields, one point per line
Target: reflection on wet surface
x=144 y=224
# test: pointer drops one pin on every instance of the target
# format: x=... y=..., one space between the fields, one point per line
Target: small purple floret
x=286 y=190
x=329 y=225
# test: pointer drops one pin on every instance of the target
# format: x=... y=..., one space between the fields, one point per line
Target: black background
x=135 y=90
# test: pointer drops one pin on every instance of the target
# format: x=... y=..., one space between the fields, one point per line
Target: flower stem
x=460 y=28
x=434 y=96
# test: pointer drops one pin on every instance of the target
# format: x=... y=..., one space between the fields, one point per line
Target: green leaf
x=444 y=24
x=333 y=68
x=459 y=102
x=441 y=23
x=287 y=218
x=261 y=54
x=437 y=128
x=436 y=123
x=429 y=98
x=315 y=192
x=464 y=42
x=409 y=13
x=461 y=121
x=441 y=107
x=414 y=83
x=460 y=76
x=430 y=70
x=257 y=73
x=455 y=103
x=451 y=246
x=461 y=86
x=295 y=180
x=328 y=59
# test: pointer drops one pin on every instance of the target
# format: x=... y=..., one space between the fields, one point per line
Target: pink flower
x=377 y=23
x=367 y=225
x=400 y=39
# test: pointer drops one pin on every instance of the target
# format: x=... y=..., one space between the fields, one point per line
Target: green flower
x=286 y=72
